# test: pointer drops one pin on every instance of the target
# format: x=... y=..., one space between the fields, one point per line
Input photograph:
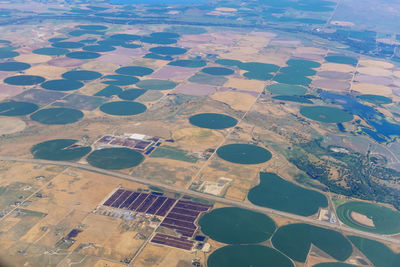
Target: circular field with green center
x=276 y=193
x=303 y=63
x=228 y=62
x=213 y=121
x=244 y=154
x=98 y=48
x=124 y=37
x=83 y=55
x=294 y=240
x=286 y=89
x=59 y=149
x=326 y=114
x=158 y=40
x=24 y=80
x=62 y=85
x=188 y=63
x=375 y=99
x=155 y=84
x=218 y=71
x=8 y=54
x=131 y=94
x=248 y=256
x=237 y=226
x=134 y=71
x=72 y=45
x=164 y=35
x=92 y=27
x=81 y=75
x=12 y=108
x=342 y=60
x=168 y=50
x=120 y=80
x=14 y=66
x=57 y=115
x=115 y=158
x=51 y=51
x=123 y=108
x=293 y=98
x=369 y=217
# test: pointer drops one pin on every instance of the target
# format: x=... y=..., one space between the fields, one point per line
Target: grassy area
x=172 y=153
x=32 y=213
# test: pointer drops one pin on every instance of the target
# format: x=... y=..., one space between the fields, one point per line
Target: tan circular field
x=11 y=125
x=197 y=138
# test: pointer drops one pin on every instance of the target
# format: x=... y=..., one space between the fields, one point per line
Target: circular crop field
x=123 y=108
x=168 y=50
x=83 y=55
x=115 y=158
x=228 y=62
x=120 y=80
x=237 y=226
x=213 y=121
x=51 y=51
x=98 y=48
x=293 y=98
x=59 y=149
x=62 y=85
x=165 y=35
x=296 y=79
x=286 y=89
x=326 y=114
x=244 y=154
x=334 y=264
x=155 y=84
x=24 y=80
x=125 y=37
x=57 y=116
x=92 y=27
x=218 y=71
x=81 y=75
x=375 y=99
x=303 y=63
x=248 y=256
x=14 y=66
x=158 y=40
x=342 y=60
x=131 y=94
x=134 y=71
x=72 y=45
x=369 y=217
x=188 y=63
x=8 y=54
x=12 y=108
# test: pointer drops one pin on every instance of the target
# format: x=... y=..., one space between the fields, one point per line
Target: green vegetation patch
x=168 y=50
x=131 y=94
x=158 y=40
x=134 y=71
x=376 y=99
x=297 y=71
x=109 y=91
x=123 y=108
x=62 y=85
x=302 y=63
x=286 y=89
x=228 y=62
x=276 y=193
x=124 y=37
x=233 y=225
x=7 y=53
x=292 y=79
x=188 y=63
x=83 y=55
x=92 y=27
x=385 y=220
x=213 y=121
x=98 y=48
x=71 y=45
x=12 y=108
x=218 y=71
x=248 y=256
x=57 y=116
x=155 y=84
x=203 y=78
x=165 y=35
x=60 y=150
x=81 y=75
x=24 y=80
x=294 y=240
x=326 y=114
x=378 y=253
x=258 y=75
x=121 y=80
x=51 y=51
x=342 y=60
x=14 y=66
x=244 y=154
x=258 y=67
x=115 y=158
x=174 y=153
x=293 y=98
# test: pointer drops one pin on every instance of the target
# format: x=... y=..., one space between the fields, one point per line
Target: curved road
x=207 y=196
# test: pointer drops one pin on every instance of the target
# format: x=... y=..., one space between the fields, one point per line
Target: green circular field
x=8 y=54
x=168 y=50
x=382 y=220
x=188 y=63
x=115 y=158
x=131 y=94
x=120 y=80
x=57 y=150
x=279 y=194
x=81 y=75
x=294 y=240
x=299 y=71
x=262 y=76
x=342 y=60
x=258 y=67
x=286 y=89
x=155 y=84
x=134 y=71
x=14 y=66
x=158 y=40
x=125 y=37
x=123 y=108
x=98 y=48
x=164 y=35
x=237 y=226
x=293 y=98
x=57 y=115
x=326 y=114
x=92 y=27
x=297 y=79
x=83 y=55
x=248 y=256
x=62 y=85
x=213 y=121
x=72 y=45
x=12 y=108
x=303 y=63
x=51 y=51
x=375 y=99
x=218 y=71
x=24 y=80
x=244 y=154
x=228 y=62
x=334 y=264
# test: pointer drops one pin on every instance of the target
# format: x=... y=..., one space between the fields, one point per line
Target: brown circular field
x=10 y=125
